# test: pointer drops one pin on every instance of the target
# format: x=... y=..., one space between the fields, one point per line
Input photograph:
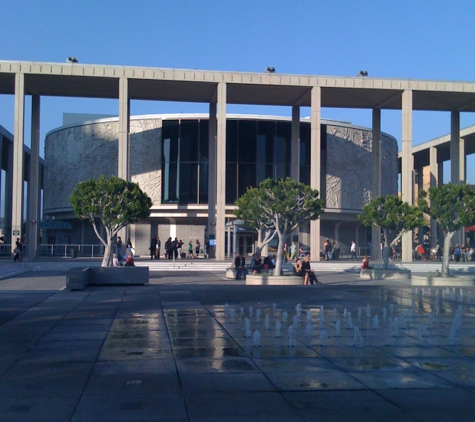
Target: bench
x=80 y=278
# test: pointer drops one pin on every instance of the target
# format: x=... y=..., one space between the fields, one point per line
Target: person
x=257 y=264
x=157 y=248
x=457 y=252
x=420 y=252
x=153 y=247
x=190 y=250
x=286 y=252
x=353 y=250
x=197 y=248
x=327 y=249
x=240 y=265
x=309 y=274
x=439 y=253
x=129 y=262
x=293 y=251
x=268 y=263
x=175 y=247
x=17 y=251
x=115 y=260
x=129 y=246
x=169 y=248
x=179 y=248
x=336 y=250
x=297 y=270
x=365 y=265
x=119 y=248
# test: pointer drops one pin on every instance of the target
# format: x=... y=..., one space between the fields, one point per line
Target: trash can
x=74 y=253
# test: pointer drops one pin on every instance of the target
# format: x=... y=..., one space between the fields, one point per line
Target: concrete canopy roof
x=98 y=81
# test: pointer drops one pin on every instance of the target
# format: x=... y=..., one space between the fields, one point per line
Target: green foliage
x=392 y=215
x=280 y=204
x=115 y=201
x=452 y=206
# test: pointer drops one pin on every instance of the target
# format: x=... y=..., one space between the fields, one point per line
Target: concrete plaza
x=170 y=351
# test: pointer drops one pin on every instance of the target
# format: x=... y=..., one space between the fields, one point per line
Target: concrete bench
x=80 y=278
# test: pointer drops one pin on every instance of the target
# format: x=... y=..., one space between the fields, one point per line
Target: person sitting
x=309 y=274
x=297 y=270
x=365 y=265
x=420 y=252
x=257 y=265
x=129 y=262
x=240 y=265
x=268 y=263
x=115 y=261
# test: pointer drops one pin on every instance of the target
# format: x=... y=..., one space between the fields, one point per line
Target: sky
x=406 y=39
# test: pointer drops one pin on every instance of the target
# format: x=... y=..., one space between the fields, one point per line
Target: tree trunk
x=386 y=250
x=280 y=254
x=446 y=252
x=106 y=261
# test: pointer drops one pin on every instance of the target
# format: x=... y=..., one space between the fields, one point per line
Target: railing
x=71 y=250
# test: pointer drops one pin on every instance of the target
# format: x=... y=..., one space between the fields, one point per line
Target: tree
x=452 y=207
x=114 y=201
x=249 y=210
x=282 y=205
x=394 y=217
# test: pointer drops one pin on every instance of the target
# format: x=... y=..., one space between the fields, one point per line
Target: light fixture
x=72 y=60
x=363 y=73
x=270 y=69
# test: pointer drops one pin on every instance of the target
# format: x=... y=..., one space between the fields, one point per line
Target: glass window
x=247 y=141
x=246 y=177
x=231 y=183
x=231 y=141
x=189 y=144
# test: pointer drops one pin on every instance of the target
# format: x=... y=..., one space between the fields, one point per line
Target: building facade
x=170 y=156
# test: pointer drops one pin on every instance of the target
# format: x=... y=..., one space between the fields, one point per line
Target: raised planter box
x=272 y=280
x=437 y=280
x=380 y=274
x=80 y=278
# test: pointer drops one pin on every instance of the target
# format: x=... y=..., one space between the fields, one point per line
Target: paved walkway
x=174 y=351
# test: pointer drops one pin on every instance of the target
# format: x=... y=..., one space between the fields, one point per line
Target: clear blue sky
x=404 y=39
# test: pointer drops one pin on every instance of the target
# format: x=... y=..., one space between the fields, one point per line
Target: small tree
x=452 y=207
x=283 y=205
x=115 y=202
x=249 y=210
x=394 y=217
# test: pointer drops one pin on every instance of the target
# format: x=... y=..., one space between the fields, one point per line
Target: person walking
x=190 y=250
x=153 y=247
x=197 y=248
x=353 y=250
x=157 y=248
x=119 y=249
x=336 y=250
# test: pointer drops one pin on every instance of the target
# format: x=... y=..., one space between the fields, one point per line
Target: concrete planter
x=437 y=280
x=272 y=280
x=380 y=274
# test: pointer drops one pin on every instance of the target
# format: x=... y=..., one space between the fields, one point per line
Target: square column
x=123 y=168
x=455 y=164
x=315 y=165
x=18 y=141
x=433 y=165
x=221 y=173
x=407 y=168
x=34 y=197
x=376 y=178
x=295 y=145
x=212 y=177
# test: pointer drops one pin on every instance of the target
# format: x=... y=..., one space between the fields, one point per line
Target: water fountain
x=285 y=316
x=267 y=321
x=277 y=328
x=232 y=314
x=226 y=310
x=298 y=310
x=250 y=312
x=309 y=315
x=337 y=328
x=291 y=340
x=308 y=330
x=256 y=338
x=258 y=316
x=323 y=337
x=376 y=322
x=248 y=327
x=295 y=321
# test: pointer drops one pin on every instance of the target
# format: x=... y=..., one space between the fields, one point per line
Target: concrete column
x=315 y=166
x=33 y=210
x=295 y=145
x=2 y=199
x=456 y=167
x=221 y=173
x=433 y=182
x=376 y=178
x=9 y=194
x=123 y=168
x=212 y=177
x=407 y=168
x=18 y=141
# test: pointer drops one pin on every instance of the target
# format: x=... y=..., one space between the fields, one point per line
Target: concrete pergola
x=219 y=89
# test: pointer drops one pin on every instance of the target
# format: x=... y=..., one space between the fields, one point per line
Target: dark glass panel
x=246 y=177
x=204 y=140
x=231 y=183
x=171 y=131
x=247 y=141
x=231 y=141
x=266 y=132
x=188 y=183
x=203 y=185
x=189 y=140
x=283 y=144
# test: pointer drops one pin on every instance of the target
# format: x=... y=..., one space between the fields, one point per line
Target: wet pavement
x=185 y=348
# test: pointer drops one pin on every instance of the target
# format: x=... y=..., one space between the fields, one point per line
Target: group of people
x=256 y=265
x=118 y=259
